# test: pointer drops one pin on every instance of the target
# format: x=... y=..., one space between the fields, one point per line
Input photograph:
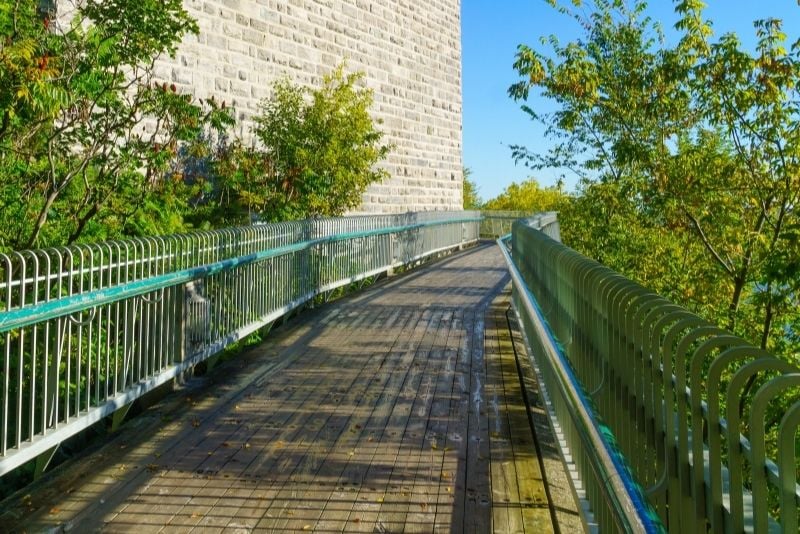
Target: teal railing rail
x=86 y=330
x=497 y=223
x=661 y=412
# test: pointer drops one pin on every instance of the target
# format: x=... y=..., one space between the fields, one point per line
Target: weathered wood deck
x=396 y=410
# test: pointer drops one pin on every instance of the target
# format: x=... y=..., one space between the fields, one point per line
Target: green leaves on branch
x=323 y=146
x=471 y=197
x=93 y=147
x=316 y=152
x=86 y=137
x=689 y=154
x=528 y=197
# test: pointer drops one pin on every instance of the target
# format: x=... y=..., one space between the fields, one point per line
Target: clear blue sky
x=491 y=31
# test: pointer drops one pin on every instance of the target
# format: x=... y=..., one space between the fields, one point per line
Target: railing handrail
x=657 y=374
x=625 y=495
x=35 y=313
x=87 y=329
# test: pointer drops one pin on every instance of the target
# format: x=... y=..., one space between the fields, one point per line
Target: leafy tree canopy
x=316 y=152
x=471 y=197
x=86 y=136
x=688 y=155
x=92 y=147
x=529 y=197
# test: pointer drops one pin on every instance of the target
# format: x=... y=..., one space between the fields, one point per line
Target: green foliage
x=529 y=197
x=322 y=147
x=688 y=157
x=87 y=139
x=471 y=198
x=91 y=147
x=317 y=151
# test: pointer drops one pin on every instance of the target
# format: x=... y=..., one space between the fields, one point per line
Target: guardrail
x=88 y=329
x=702 y=423
x=497 y=223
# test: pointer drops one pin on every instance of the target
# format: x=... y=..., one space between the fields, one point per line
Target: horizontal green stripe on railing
x=44 y=311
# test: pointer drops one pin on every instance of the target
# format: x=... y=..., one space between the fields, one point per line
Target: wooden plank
x=344 y=386
x=352 y=452
x=477 y=497
x=435 y=449
x=506 y=516
x=407 y=428
x=533 y=501
x=454 y=439
x=381 y=452
x=396 y=375
x=339 y=503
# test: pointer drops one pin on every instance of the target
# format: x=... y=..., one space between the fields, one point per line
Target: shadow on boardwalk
x=395 y=410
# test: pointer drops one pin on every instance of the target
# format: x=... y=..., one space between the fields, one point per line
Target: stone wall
x=410 y=51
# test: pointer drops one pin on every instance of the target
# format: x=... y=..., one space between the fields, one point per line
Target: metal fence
x=88 y=329
x=497 y=223
x=684 y=419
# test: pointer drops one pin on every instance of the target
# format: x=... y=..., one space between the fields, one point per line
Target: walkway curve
x=398 y=409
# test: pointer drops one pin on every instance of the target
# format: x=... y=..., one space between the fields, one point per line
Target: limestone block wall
x=410 y=51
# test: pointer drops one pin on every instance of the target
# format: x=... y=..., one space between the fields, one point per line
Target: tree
x=86 y=137
x=528 y=196
x=471 y=198
x=320 y=147
x=692 y=149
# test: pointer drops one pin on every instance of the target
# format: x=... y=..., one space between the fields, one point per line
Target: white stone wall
x=410 y=51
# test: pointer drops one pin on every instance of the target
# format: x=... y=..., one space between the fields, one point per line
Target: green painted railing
x=88 y=329
x=497 y=223
x=697 y=420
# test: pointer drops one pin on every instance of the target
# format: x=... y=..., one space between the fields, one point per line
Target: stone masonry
x=410 y=51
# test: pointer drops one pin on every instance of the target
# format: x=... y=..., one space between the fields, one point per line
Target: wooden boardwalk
x=396 y=410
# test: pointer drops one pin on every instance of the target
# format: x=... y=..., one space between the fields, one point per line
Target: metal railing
x=88 y=329
x=697 y=420
x=497 y=223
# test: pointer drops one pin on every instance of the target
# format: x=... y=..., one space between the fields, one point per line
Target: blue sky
x=491 y=31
